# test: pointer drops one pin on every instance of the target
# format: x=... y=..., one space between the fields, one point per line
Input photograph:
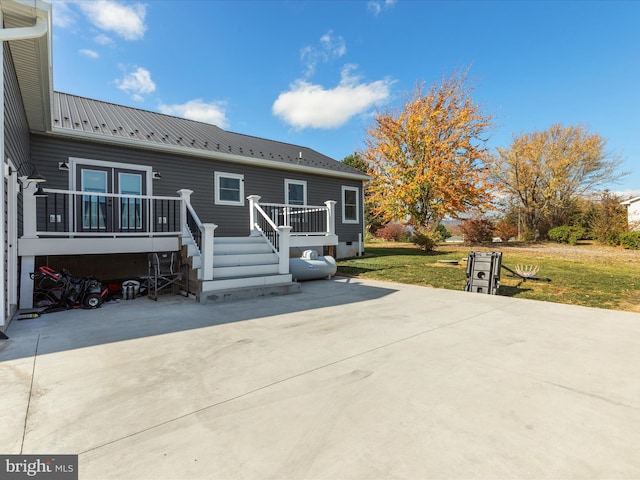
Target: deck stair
x=243 y=267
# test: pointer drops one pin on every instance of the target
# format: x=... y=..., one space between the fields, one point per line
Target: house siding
x=633 y=213
x=196 y=174
x=16 y=148
x=16 y=128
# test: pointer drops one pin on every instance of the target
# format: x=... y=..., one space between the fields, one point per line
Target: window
x=94 y=207
x=130 y=207
x=295 y=192
x=229 y=188
x=350 y=205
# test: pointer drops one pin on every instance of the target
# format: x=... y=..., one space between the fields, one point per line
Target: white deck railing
x=304 y=220
x=91 y=214
x=78 y=214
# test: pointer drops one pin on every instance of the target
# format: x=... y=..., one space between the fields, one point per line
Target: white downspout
x=39 y=29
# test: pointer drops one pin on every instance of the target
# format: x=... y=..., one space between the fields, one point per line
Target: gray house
x=123 y=182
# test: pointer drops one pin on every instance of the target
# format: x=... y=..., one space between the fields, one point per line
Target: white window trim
x=352 y=189
x=216 y=187
x=290 y=181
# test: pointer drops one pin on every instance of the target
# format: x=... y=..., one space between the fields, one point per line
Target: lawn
x=588 y=275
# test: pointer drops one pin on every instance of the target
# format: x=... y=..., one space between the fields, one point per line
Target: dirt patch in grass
x=584 y=251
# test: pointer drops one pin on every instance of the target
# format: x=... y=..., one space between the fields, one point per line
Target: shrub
x=630 y=240
x=426 y=240
x=505 y=230
x=608 y=219
x=566 y=234
x=391 y=232
x=476 y=230
x=406 y=236
x=440 y=233
x=369 y=237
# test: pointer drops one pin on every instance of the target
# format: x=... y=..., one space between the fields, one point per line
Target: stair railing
x=201 y=233
x=260 y=224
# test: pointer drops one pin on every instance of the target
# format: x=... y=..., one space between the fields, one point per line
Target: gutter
x=25 y=33
x=228 y=157
x=39 y=29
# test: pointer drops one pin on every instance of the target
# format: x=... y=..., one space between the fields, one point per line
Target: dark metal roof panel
x=75 y=113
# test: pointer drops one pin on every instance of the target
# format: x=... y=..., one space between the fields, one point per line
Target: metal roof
x=98 y=120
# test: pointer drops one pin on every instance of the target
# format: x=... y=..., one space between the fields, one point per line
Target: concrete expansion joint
x=592 y=395
x=26 y=413
x=557 y=385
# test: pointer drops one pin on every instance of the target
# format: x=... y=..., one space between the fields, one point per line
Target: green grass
x=587 y=280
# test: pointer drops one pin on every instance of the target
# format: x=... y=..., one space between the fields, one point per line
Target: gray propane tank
x=311 y=267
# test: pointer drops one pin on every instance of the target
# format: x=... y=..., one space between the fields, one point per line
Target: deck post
x=28 y=265
x=185 y=195
x=283 y=232
x=207 y=250
x=331 y=217
x=30 y=218
x=253 y=201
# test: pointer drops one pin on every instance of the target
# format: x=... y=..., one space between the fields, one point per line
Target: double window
x=98 y=209
x=350 y=204
x=229 y=189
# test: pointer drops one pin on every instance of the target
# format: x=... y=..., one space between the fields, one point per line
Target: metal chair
x=164 y=271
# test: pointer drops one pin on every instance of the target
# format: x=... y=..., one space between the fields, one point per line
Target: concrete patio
x=350 y=379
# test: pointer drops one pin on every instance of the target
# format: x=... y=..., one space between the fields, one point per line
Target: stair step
x=245 y=271
x=238 y=240
x=241 y=248
x=243 y=282
x=192 y=250
x=188 y=240
x=249 y=292
x=244 y=259
x=196 y=262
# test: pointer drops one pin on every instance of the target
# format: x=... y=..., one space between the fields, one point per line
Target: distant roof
x=630 y=201
x=121 y=124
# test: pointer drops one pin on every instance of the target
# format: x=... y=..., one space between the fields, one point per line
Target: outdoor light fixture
x=39 y=192
x=157 y=176
x=28 y=173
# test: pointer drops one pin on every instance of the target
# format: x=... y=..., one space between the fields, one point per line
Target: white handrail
x=194 y=215
x=266 y=217
x=313 y=207
x=110 y=195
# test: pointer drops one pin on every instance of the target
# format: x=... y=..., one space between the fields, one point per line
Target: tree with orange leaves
x=545 y=172
x=427 y=159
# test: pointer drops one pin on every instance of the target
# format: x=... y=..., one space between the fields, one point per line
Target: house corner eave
x=28 y=30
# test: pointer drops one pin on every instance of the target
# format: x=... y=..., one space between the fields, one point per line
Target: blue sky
x=313 y=72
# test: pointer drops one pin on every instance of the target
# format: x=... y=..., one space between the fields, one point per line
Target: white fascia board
x=95 y=245
x=228 y=157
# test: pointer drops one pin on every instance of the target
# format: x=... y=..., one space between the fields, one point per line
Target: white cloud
x=306 y=105
x=200 y=111
x=376 y=6
x=126 y=21
x=331 y=46
x=63 y=16
x=89 y=53
x=137 y=83
x=103 y=39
